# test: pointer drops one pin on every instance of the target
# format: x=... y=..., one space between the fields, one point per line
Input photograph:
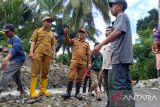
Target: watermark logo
x=122 y=98
x=116 y=98
x=140 y=97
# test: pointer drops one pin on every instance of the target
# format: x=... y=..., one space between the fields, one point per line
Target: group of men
x=42 y=50
x=118 y=57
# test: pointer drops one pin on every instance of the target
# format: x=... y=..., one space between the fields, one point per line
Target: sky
x=137 y=9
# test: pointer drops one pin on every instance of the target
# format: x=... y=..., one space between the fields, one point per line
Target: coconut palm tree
x=16 y=12
x=79 y=13
x=76 y=14
x=19 y=13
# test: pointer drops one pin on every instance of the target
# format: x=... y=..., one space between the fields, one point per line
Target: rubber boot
x=43 y=90
x=77 y=95
x=33 y=93
x=69 y=89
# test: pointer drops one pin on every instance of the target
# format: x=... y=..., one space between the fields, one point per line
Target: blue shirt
x=15 y=48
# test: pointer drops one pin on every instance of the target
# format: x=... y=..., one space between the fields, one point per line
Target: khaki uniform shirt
x=44 y=41
x=80 y=51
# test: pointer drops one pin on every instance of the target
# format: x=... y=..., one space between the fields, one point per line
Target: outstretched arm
x=66 y=36
x=114 y=35
x=6 y=61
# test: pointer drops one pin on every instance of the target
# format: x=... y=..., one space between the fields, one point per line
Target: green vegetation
x=26 y=16
x=63 y=59
x=145 y=64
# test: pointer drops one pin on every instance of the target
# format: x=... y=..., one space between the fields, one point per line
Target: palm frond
x=57 y=8
x=87 y=7
x=103 y=7
x=75 y=3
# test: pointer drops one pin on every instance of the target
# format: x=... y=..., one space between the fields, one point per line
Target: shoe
x=22 y=93
x=91 y=94
x=79 y=97
x=98 y=97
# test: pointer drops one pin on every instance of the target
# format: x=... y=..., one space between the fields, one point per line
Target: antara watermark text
x=140 y=97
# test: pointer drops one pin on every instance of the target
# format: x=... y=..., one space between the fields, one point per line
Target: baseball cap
x=46 y=18
x=82 y=30
x=8 y=27
x=122 y=2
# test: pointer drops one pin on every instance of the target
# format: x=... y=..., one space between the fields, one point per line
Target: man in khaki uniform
x=81 y=58
x=41 y=51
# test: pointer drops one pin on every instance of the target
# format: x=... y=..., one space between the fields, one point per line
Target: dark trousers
x=86 y=78
x=13 y=71
x=158 y=73
x=121 y=86
x=16 y=78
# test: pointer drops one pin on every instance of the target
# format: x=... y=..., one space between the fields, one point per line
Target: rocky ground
x=56 y=84
x=153 y=84
x=12 y=98
x=57 y=75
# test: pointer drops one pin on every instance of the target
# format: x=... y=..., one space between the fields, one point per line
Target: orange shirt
x=44 y=41
x=80 y=51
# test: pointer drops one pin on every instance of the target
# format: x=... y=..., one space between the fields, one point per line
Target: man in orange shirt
x=81 y=57
x=41 y=51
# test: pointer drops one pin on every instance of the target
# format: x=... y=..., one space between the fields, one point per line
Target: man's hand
x=53 y=57
x=66 y=30
x=5 y=64
x=89 y=66
x=97 y=48
x=31 y=55
x=156 y=47
x=5 y=50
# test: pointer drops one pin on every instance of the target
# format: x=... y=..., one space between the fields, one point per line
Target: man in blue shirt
x=13 y=61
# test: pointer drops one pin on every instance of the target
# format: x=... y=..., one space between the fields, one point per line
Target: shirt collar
x=81 y=40
x=45 y=29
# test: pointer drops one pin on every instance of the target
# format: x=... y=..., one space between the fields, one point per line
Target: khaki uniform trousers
x=40 y=65
x=76 y=72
